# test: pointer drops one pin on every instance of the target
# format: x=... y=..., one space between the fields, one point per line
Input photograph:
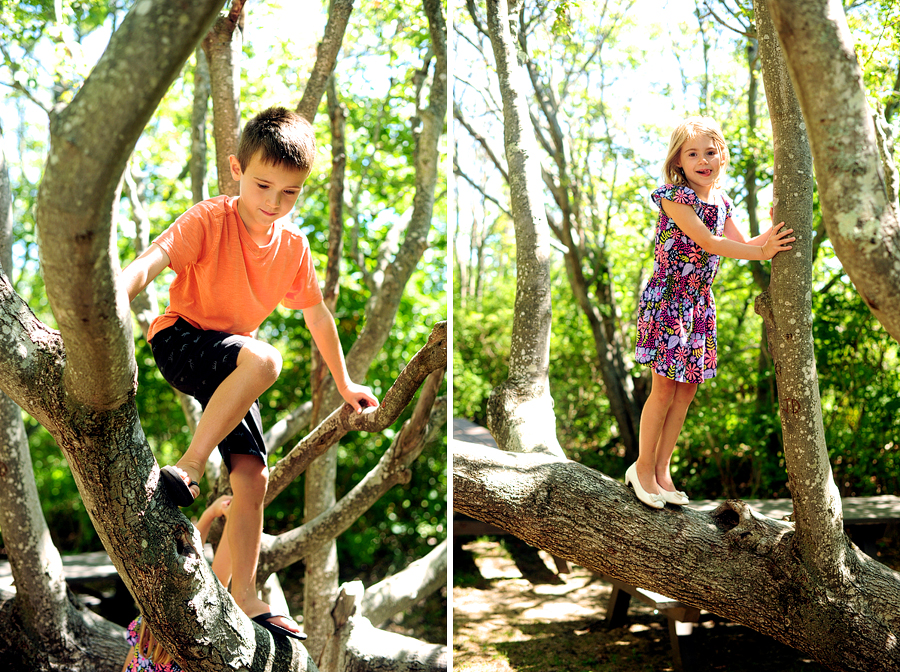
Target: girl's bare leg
x=674 y=421
x=258 y=366
x=221 y=565
x=653 y=419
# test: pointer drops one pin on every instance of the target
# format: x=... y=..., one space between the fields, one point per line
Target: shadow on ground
x=504 y=622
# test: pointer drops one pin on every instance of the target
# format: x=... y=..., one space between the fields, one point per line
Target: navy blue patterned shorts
x=196 y=361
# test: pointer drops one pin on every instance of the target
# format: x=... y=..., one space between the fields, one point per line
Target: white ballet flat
x=678 y=497
x=654 y=501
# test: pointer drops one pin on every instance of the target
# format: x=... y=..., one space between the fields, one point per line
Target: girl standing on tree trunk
x=677 y=313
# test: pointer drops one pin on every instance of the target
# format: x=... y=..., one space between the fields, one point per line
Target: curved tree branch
x=92 y=139
x=431 y=357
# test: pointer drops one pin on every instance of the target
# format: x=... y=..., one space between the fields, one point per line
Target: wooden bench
x=681 y=617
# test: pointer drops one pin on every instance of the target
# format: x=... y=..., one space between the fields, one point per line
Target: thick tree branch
x=94 y=139
x=732 y=562
x=392 y=469
x=46 y=615
x=401 y=591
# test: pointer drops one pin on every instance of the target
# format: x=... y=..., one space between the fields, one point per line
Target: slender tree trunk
x=326 y=56
x=786 y=307
x=520 y=411
x=222 y=46
x=199 y=190
x=320 y=586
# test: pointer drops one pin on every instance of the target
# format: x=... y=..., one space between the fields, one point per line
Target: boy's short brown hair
x=282 y=137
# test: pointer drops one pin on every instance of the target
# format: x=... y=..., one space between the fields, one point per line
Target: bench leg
x=617 y=609
x=679 y=633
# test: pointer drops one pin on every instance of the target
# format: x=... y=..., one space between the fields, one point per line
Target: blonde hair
x=693 y=127
x=147 y=648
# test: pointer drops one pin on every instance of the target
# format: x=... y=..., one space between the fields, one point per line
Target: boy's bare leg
x=249 y=478
x=258 y=366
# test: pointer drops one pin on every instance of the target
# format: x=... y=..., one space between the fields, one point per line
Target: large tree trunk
x=859 y=212
x=520 y=411
x=320 y=582
x=83 y=391
x=731 y=562
x=48 y=624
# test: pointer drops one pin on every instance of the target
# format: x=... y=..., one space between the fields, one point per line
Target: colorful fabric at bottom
x=147 y=655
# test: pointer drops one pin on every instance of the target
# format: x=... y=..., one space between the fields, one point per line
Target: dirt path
x=503 y=622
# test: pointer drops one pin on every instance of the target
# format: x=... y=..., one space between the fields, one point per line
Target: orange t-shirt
x=225 y=281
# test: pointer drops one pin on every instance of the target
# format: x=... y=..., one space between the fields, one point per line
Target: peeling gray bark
x=520 y=411
x=859 y=213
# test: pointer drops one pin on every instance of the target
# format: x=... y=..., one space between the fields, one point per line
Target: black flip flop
x=178 y=491
x=263 y=620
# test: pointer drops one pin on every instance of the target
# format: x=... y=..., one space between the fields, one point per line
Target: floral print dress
x=677 y=314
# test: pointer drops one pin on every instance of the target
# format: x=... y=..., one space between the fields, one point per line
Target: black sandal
x=263 y=620
x=179 y=491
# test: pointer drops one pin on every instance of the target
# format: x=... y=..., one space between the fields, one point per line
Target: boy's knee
x=265 y=359
x=249 y=474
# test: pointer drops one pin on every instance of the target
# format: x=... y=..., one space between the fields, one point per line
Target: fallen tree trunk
x=732 y=562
